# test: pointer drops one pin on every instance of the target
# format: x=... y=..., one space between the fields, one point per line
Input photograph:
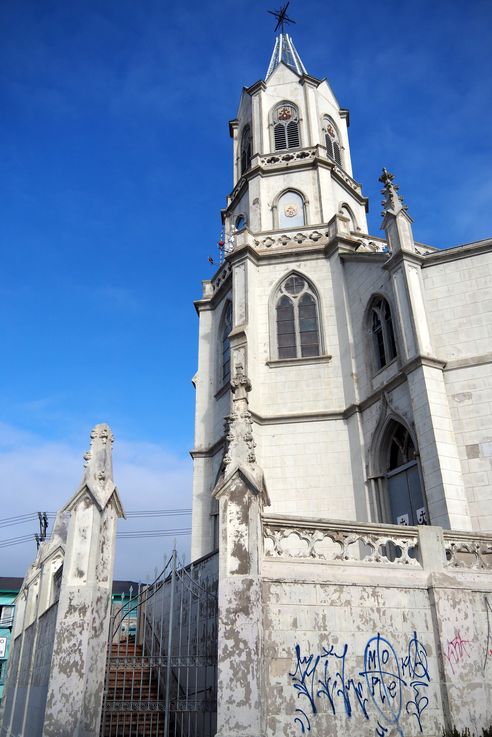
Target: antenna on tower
x=282 y=17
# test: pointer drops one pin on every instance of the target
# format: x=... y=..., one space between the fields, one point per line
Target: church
x=343 y=440
x=341 y=575
x=369 y=359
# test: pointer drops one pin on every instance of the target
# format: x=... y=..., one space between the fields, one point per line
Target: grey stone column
x=241 y=493
x=75 y=690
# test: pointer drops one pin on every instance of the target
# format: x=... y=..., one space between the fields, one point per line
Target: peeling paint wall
x=352 y=628
x=385 y=659
x=56 y=678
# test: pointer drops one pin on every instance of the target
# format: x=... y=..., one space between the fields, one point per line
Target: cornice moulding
x=456 y=253
x=279 y=362
x=403 y=256
x=208 y=452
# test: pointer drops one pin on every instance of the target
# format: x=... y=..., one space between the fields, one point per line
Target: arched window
x=332 y=140
x=296 y=319
x=381 y=330
x=246 y=144
x=405 y=496
x=225 y=344
x=240 y=222
x=286 y=127
x=347 y=212
x=290 y=210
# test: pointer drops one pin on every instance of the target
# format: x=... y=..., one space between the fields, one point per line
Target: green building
x=10 y=587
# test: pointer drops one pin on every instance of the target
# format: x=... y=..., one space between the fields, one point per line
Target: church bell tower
x=275 y=309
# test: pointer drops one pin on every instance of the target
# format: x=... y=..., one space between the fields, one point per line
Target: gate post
x=241 y=493
x=75 y=691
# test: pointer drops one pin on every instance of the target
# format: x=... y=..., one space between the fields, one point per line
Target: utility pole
x=43 y=526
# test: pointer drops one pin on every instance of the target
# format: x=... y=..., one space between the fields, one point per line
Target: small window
x=246 y=146
x=240 y=222
x=347 y=212
x=290 y=209
x=226 y=346
x=286 y=127
x=6 y=616
x=383 y=336
x=296 y=316
x=332 y=141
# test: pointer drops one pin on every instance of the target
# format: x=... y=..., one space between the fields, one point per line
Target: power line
x=154 y=533
x=19 y=520
x=15 y=540
x=132 y=514
x=130 y=535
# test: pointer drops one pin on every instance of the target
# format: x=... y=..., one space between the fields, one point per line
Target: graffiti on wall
x=389 y=685
x=488 y=643
x=456 y=651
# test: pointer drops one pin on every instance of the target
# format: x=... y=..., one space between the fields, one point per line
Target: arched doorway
x=405 y=496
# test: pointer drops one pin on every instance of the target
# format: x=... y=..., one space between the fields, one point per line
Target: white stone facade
x=327 y=426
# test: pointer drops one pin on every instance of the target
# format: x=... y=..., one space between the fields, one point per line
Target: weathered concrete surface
x=242 y=494
x=56 y=679
x=383 y=648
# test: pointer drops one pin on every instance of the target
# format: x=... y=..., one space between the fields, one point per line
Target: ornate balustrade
x=280 y=158
x=468 y=550
x=339 y=540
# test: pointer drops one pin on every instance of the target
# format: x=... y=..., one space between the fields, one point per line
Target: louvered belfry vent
x=286 y=127
x=280 y=137
x=332 y=141
x=292 y=135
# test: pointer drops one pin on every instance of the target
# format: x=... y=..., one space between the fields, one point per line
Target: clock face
x=330 y=131
x=285 y=113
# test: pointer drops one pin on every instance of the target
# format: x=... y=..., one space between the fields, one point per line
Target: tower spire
x=396 y=220
x=284 y=50
x=286 y=53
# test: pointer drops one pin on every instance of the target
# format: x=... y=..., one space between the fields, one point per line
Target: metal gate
x=161 y=673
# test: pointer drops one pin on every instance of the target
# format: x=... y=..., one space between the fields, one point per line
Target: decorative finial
x=393 y=202
x=282 y=17
x=97 y=460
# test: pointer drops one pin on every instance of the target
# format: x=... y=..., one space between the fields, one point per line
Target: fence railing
x=342 y=541
x=468 y=550
x=338 y=540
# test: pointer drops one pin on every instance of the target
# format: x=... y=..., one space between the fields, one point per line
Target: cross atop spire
x=284 y=52
x=282 y=17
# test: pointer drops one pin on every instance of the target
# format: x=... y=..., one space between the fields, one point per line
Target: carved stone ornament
x=393 y=202
x=291 y=210
x=238 y=424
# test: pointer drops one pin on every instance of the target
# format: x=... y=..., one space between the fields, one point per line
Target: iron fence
x=161 y=674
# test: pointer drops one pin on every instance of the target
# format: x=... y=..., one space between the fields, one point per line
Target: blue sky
x=115 y=163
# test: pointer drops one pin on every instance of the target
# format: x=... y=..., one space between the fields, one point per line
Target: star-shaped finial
x=282 y=17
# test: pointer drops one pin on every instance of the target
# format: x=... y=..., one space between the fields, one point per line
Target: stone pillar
x=75 y=690
x=440 y=463
x=241 y=493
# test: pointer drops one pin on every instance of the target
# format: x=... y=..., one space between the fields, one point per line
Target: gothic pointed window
x=405 y=493
x=286 y=127
x=296 y=316
x=332 y=140
x=225 y=344
x=382 y=333
x=246 y=146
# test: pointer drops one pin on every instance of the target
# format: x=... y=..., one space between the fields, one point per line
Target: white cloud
x=39 y=475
